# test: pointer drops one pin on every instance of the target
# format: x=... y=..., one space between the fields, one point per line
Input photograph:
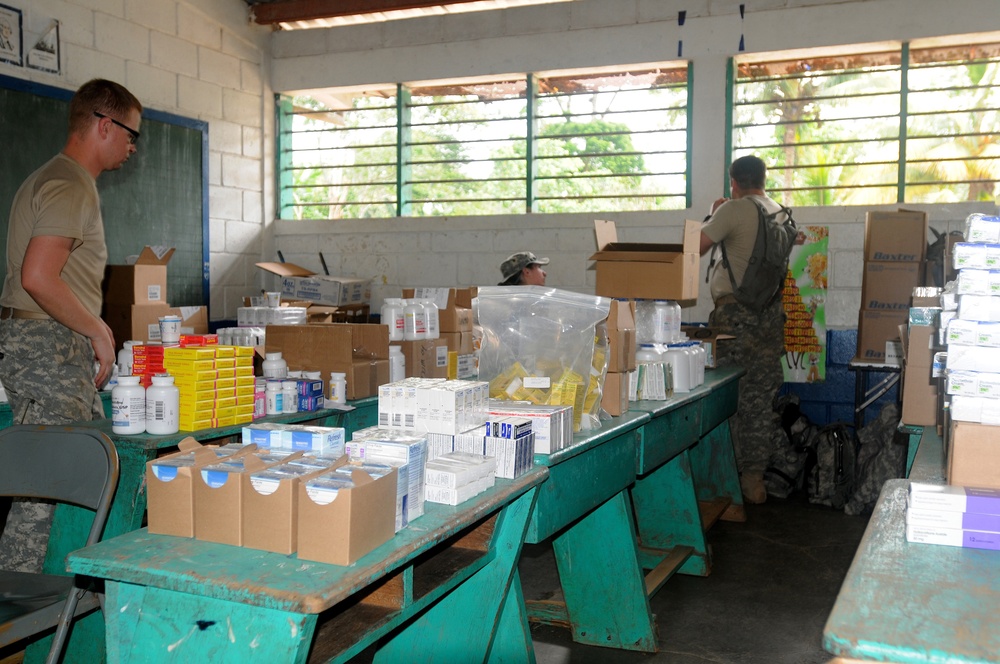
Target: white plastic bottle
x=676 y=320
x=275 y=400
x=680 y=364
x=662 y=322
x=392 y=316
x=162 y=406
x=432 y=318
x=125 y=358
x=338 y=388
x=700 y=357
x=289 y=396
x=128 y=406
x=274 y=366
x=259 y=398
x=397 y=364
x=414 y=321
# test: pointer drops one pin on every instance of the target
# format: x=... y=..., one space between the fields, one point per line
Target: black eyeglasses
x=132 y=133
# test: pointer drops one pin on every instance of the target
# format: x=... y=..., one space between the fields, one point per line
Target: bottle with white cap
x=414 y=321
x=392 y=316
x=162 y=406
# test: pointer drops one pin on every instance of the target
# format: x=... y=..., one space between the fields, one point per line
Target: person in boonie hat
x=523 y=269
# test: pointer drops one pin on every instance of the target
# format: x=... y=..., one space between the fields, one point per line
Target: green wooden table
x=438 y=588
x=625 y=499
x=907 y=602
x=928 y=463
x=129 y=505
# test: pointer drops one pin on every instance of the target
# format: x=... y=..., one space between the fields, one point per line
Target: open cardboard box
x=270 y=521
x=646 y=270
x=170 y=501
x=218 y=510
x=353 y=524
x=142 y=282
x=300 y=283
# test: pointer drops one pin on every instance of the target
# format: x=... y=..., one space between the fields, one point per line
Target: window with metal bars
x=600 y=140
x=871 y=125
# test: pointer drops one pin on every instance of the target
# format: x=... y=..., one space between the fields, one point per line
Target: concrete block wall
x=398 y=253
x=195 y=58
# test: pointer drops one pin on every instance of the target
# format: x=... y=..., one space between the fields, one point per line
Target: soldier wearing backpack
x=748 y=306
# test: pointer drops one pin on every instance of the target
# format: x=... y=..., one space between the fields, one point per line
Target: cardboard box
x=876 y=329
x=359 y=350
x=896 y=236
x=353 y=524
x=427 y=358
x=141 y=322
x=621 y=337
x=614 y=397
x=270 y=521
x=170 y=501
x=644 y=270
x=709 y=338
x=454 y=306
x=300 y=283
x=143 y=282
x=458 y=342
x=920 y=389
x=974 y=455
x=888 y=285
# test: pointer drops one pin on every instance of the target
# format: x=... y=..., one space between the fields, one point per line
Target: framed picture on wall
x=10 y=36
x=44 y=55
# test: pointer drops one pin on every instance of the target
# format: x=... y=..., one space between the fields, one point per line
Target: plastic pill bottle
x=397 y=364
x=289 y=396
x=162 y=406
x=274 y=397
x=392 y=316
x=432 y=318
x=338 y=388
x=274 y=366
x=128 y=406
x=414 y=321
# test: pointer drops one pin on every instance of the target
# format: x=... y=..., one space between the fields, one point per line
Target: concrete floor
x=773 y=583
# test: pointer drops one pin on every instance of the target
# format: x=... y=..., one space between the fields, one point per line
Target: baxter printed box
x=954 y=498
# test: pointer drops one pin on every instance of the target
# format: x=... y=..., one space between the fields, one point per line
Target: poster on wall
x=44 y=55
x=804 y=299
x=10 y=35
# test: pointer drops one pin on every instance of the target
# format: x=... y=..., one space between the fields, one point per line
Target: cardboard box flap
x=154 y=255
x=609 y=248
x=285 y=269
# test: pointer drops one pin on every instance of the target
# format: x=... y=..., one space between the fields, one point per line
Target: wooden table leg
x=667 y=516
x=475 y=616
x=602 y=579
x=716 y=478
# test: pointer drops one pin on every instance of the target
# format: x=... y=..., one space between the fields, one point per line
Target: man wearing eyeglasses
x=55 y=351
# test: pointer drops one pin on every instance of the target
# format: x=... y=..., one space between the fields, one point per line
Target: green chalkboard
x=158 y=198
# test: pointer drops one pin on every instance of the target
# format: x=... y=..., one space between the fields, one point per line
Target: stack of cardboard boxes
x=621 y=356
x=135 y=298
x=452 y=354
x=895 y=245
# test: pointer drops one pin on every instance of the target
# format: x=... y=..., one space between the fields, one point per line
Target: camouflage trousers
x=758 y=348
x=48 y=373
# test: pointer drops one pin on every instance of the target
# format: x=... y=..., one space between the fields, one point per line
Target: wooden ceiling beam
x=288 y=11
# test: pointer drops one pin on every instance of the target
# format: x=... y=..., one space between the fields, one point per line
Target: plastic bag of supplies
x=545 y=346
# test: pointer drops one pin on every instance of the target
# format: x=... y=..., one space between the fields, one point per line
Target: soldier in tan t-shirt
x=51 y=332
x=759 y=343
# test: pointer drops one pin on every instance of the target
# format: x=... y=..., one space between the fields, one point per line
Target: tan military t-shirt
x=59 y=199
x=735 y=222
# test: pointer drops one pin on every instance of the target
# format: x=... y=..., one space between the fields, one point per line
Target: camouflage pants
x=758 y=348
x=48 y=373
